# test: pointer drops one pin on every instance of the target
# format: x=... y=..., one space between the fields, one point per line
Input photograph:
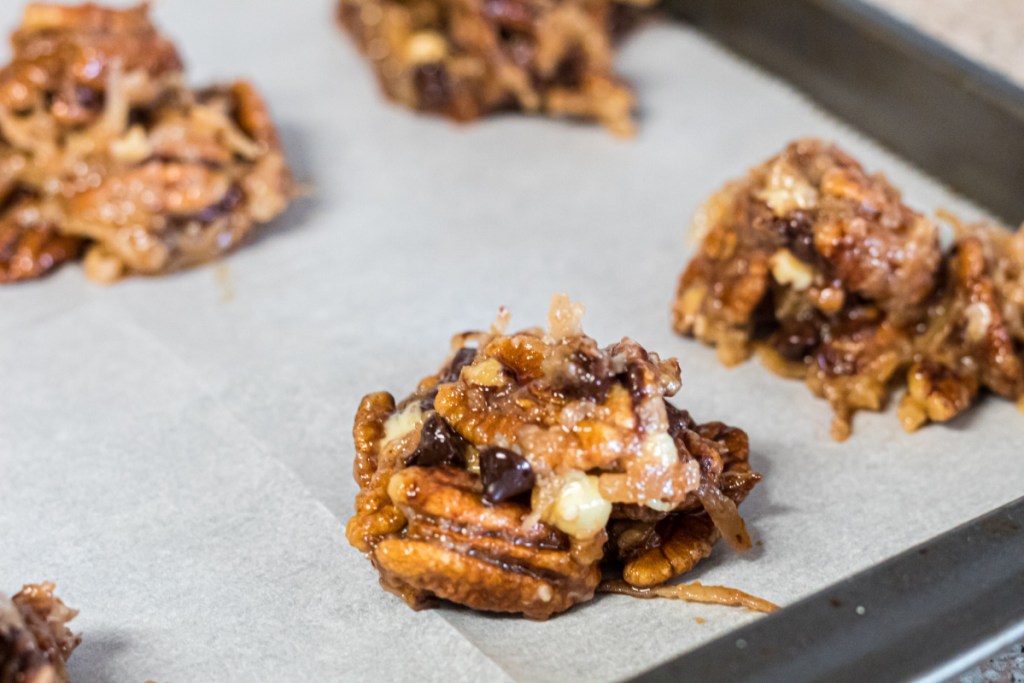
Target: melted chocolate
x=679 y=421
x=633 y=379
x=797 y=233
x=90 y=99
x=505 y=474
x=231 y=199
x=584 y=376
x=439 y=445
x=795 y=340
x=463 y=357
x=434 y=87
x=570 y=71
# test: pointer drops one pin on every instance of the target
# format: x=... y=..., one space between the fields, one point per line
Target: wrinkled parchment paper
x=175 y=453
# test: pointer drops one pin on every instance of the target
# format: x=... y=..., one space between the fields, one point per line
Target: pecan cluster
x=821 y=268
x=106 y=154
x=467 y=58
x=533 y=465
x=35 y=641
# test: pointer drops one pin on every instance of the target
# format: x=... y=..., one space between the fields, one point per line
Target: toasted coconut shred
x=693 y=592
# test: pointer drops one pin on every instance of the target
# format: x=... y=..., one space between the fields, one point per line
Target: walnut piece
x=824 y=271
x=126 y=165
x=35 y=642
x=468 y=58
x=531 y=463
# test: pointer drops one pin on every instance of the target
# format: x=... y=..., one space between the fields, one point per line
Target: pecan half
x=685 y=541
x=484 y=556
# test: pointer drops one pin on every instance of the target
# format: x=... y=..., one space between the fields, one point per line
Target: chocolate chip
x=797 y=232
x=463 y=357
x=17 y=194
x=227 y=203
x=518 y=46
x=796 y=339
x=449 y=374
x=634 y=380
x=570 y=71
x=434 y=87
x=427 y=400
x=505 y=474
x=621 y=20
x=139 y=116
x=679 y=421
x=439 y=445
x=582 y=376
x=88 y=98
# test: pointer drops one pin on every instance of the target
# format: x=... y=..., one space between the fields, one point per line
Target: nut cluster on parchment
x=467 y=58
x=821 y=268
x=35 y=641
x=535 y=467
x=105 y=154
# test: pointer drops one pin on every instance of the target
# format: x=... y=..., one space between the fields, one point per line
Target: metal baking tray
x=936 y=609
x=176 y=452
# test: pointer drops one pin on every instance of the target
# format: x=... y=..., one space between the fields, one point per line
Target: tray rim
x=830 y=636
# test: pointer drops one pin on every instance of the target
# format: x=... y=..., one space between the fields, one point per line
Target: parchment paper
x=176 y=452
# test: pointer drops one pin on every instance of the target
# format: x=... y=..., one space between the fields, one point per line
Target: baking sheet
x=176 y=453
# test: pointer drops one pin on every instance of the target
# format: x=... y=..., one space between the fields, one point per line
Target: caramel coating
x=618 y=474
